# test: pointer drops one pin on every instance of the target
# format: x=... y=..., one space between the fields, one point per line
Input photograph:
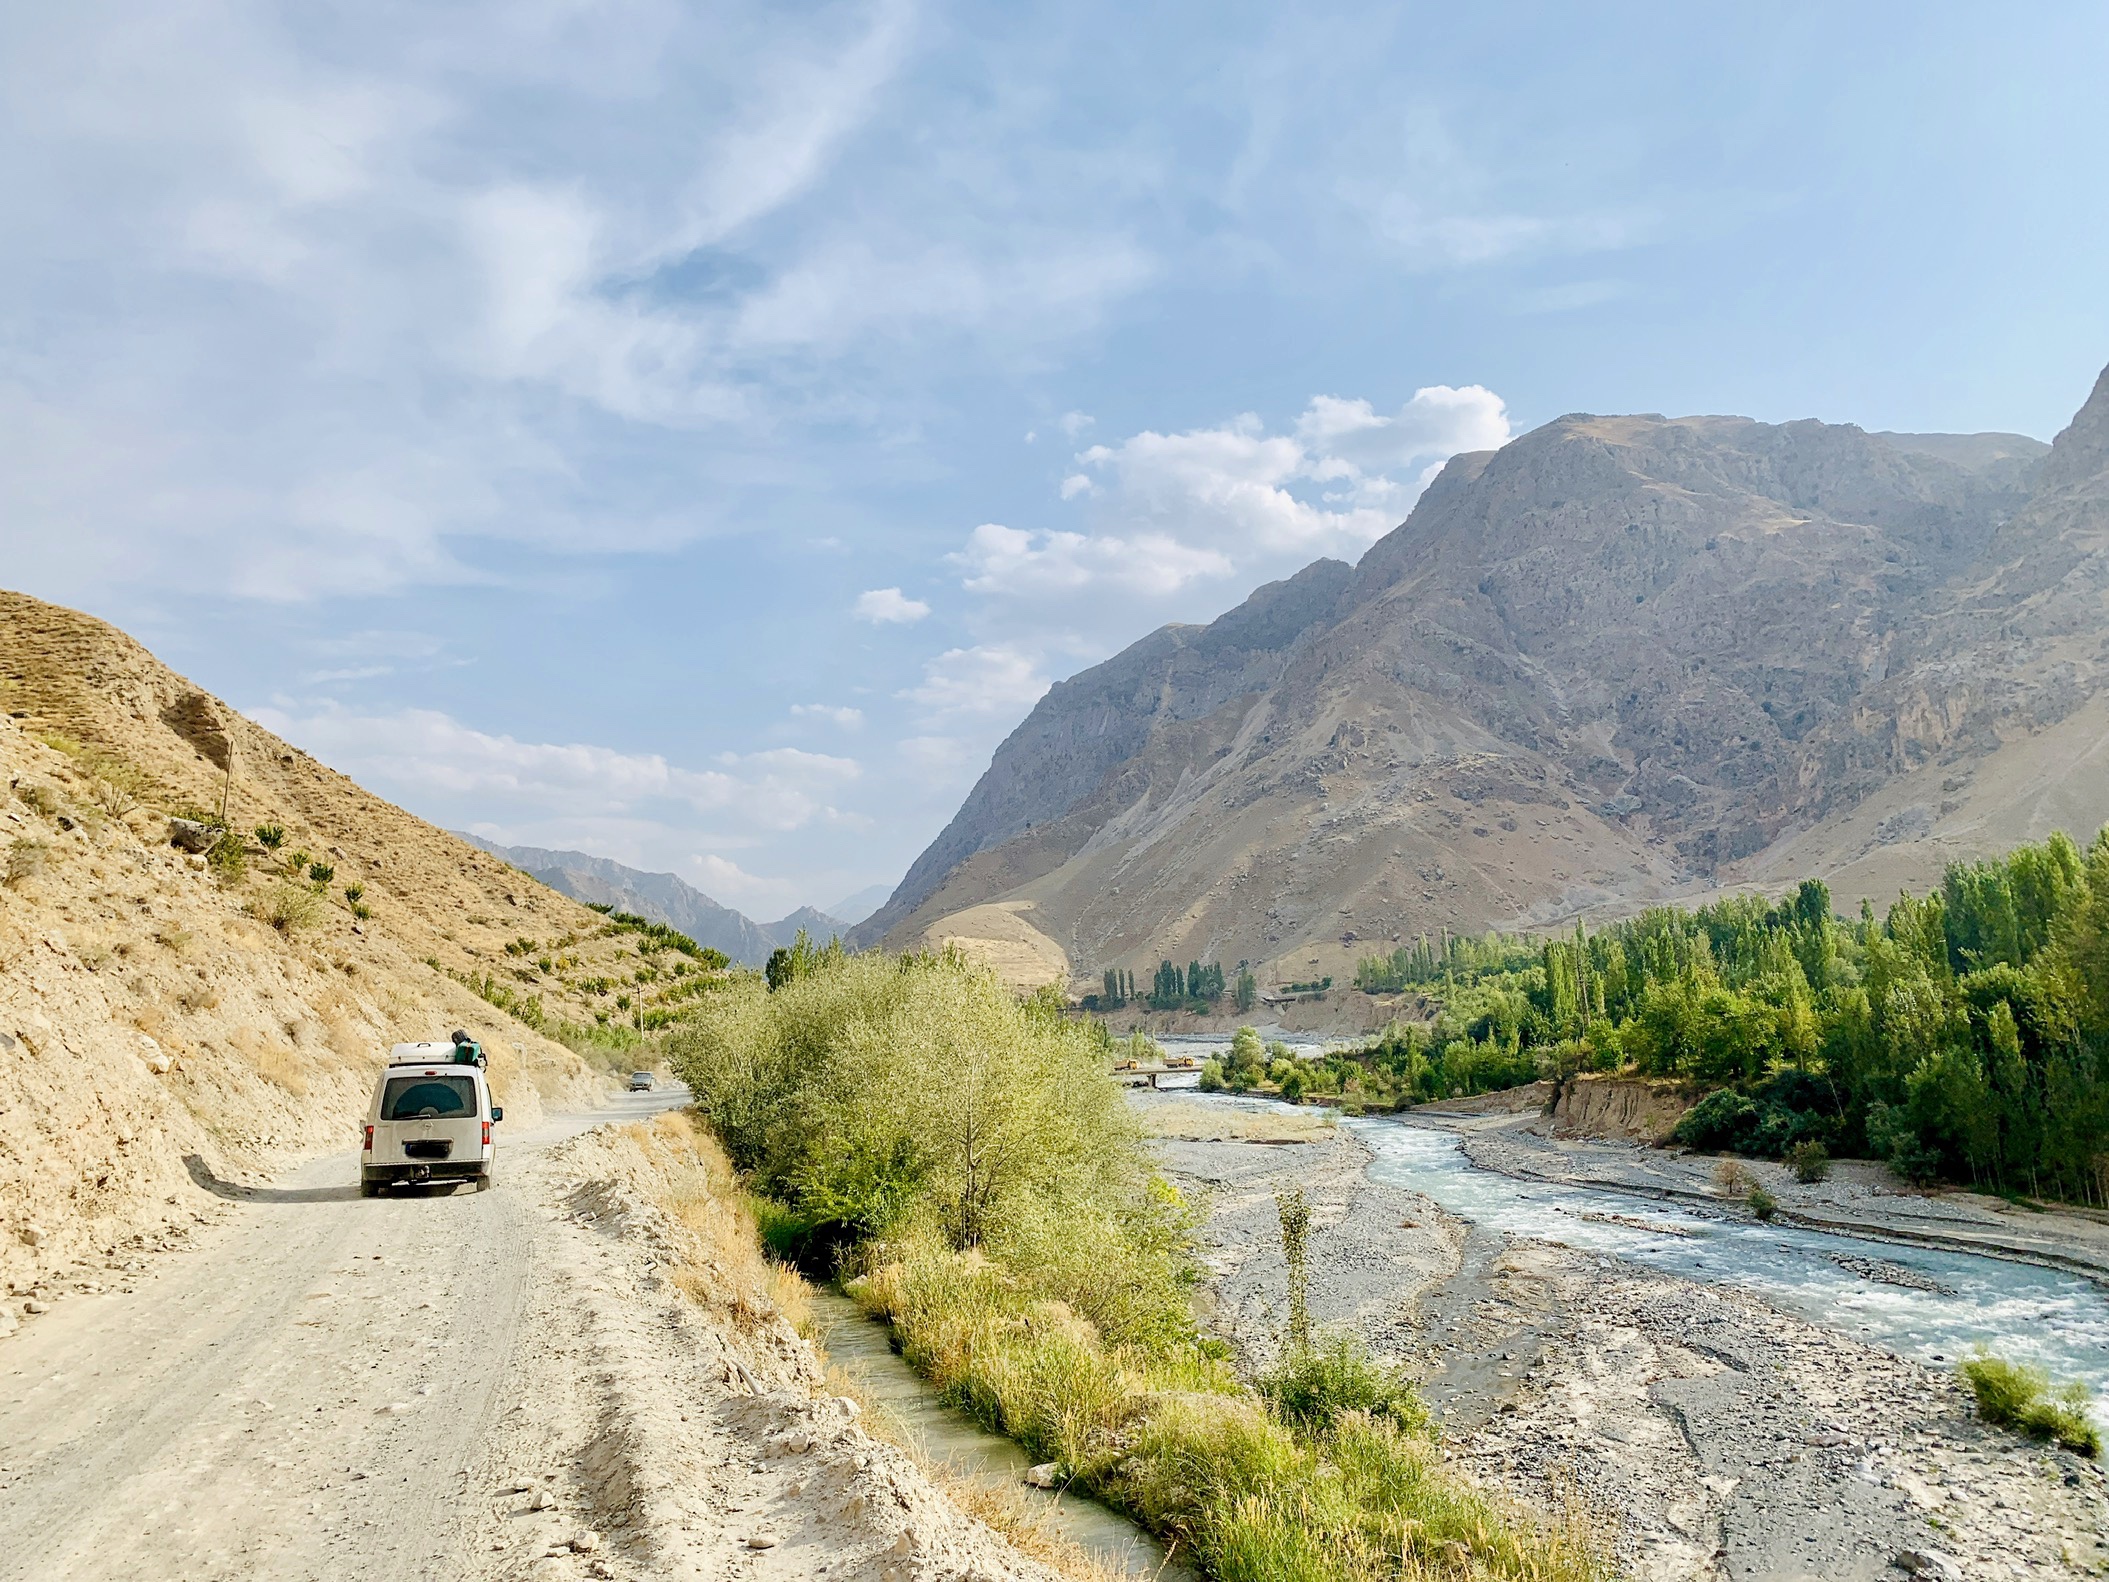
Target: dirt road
x=460 y=1385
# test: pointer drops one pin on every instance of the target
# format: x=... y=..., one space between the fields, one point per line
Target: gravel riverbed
x=1711 y=1434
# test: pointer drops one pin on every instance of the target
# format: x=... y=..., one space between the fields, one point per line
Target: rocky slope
x=664 y=898
x=160 y=1034
x=1621 y=658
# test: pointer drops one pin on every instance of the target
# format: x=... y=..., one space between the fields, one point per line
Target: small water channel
x=861 y=1348
x=2044 y=1316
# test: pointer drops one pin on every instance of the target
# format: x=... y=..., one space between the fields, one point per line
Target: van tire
x=483 y=1180
x=369 y=1188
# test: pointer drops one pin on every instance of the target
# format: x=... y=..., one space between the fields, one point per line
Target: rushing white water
x=2023 y=1312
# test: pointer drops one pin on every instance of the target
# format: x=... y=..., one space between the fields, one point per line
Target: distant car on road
x=642 y=1082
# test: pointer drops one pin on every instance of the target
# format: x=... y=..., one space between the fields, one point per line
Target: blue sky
x=697 y=434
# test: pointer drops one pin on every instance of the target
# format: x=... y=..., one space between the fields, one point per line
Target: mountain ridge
x=662 y=897
x=1621 y=658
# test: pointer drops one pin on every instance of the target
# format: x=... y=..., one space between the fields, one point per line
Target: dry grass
x=1026 y=1525
x=1201 y=1122
x=274 y=1061
x=25 y=860
x=730 y=1274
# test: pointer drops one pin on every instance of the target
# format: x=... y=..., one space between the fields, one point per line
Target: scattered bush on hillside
x=228 y=859
x=41 y=800
x=289 y=907
x=2021 y=1398
x=1761 y=1203
x=270 y=836
x=25 y=859
x=320 y=874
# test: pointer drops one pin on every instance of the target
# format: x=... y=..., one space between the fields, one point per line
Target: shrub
x=992 y=1195
x=270 y=836
x=1762 y=1203
x=1732 y=1179
x=355 y=893
x=1292 y=1087
x=41 y=800
x=1810 y=1161
x=227 y=859
x=2020 y=1397
x=1211 y=1076
x=26 y=859
x=321 y=873
x=116 y=785
x=287 y=907
x=1313 y=1386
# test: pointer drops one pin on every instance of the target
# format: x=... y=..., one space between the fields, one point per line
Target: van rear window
x=420 y=1098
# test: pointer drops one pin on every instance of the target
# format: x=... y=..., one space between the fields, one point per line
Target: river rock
x=1043 y=1476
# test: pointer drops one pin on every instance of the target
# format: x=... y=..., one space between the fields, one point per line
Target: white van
x=430 y=1119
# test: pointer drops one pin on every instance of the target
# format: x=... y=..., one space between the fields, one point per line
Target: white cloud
x=1015 y=563
x=431 y=754
x=883 y=606
x=990 y=680
x=1235 y=502
x=849 y=719
x=1074 y=423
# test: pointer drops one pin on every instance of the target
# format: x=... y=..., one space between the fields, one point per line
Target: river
x=2030 y=1314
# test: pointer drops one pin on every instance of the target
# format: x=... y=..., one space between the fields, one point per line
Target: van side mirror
x=497 y=1114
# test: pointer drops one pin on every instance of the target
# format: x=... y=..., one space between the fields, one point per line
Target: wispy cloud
x=779 y=789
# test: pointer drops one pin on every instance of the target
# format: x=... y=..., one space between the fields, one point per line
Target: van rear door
x=431 y=1116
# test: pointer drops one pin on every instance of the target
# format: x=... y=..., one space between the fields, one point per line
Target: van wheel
x=483 y=1181
x=369 y=1188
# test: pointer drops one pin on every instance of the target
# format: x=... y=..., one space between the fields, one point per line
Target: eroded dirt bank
x=554 y=1379
x=1718 y=1437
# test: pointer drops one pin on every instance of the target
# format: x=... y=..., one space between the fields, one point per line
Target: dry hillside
x=159 y=1036
x=1622 y=658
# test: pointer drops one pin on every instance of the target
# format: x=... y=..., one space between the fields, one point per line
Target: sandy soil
x=1716 y=1437
x=481 y=1385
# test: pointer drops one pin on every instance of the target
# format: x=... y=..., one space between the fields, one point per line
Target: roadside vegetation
x=1961 y=1036
x=964 y=1161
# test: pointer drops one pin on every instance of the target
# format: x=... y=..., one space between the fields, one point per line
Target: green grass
x=2021 y=1398
x=1355 y=1490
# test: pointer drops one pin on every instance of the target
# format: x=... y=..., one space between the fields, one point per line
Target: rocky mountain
x=1621 y=658
x=664 y=898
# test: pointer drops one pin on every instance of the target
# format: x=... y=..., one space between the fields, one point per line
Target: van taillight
x=369 y=1140
x=486 y=1134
